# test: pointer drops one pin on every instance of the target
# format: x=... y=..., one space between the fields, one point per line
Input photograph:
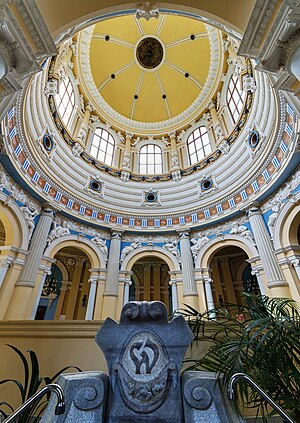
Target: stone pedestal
x=144 y=354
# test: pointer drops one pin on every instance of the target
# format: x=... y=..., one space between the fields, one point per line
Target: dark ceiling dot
x=193 y=37
x=136 y=96
x=164 y=96
x=112 y=76
x=107 y=37
x=186 y=75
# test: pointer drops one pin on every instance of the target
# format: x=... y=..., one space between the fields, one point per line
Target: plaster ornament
x=29 y=213
x=174 y=160
x=218 y=131
x=101 y=243
x=249 y=83
x=273 y=216
x=176 y=175
x=242 y=230
x=51 y=87
x=125 y=176
x=224 y=147
x=197 y=245
x=126 y=161
x=207 y=116
x=173 y=248
x=77 y=149
x=147 y=11
x=126 y=250
x=57 y=231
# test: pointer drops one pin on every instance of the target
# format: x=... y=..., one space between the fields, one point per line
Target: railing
x=59 y=409
x=242 y=376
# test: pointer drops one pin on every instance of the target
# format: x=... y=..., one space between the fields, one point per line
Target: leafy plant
x=31 y=384
x=260 y=338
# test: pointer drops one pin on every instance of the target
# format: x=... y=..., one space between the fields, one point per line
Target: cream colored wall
x=59 y=15
x=57 y=344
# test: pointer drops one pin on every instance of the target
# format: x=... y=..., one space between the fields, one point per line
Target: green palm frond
x=261 y=338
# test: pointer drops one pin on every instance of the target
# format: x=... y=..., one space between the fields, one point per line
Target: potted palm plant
x=261 y=338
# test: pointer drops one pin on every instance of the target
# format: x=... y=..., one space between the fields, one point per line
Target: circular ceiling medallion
x=149 y=53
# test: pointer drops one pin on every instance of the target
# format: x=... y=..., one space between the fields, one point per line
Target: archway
x=231 y=275
x=150 y=281
x=66 y=289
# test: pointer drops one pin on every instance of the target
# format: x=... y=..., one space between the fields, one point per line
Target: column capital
x=172 y=135
x=48 y=210
x=253 y=209
x=184 y=233
x=116 y=234
x=295 y=261
x=211 y=105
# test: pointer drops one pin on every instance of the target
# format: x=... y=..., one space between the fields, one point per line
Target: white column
x=174 y=295
x=112 y=276
x=208 y=293
x=38 y=297
x=5 y=263
x=296 y=263
x=256 y=273
x=188 y=274
x=89 y=314
x=262 y=238
x=37 y=247
x=127 y=284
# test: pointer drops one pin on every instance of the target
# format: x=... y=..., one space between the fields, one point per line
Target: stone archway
x=150 y=281
x=231 y=275
x=66 y=290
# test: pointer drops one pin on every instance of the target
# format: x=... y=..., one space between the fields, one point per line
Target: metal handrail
x=242 y=376
x=59 y=409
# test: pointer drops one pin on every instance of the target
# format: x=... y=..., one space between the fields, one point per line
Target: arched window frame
x=223 y=107
x=111 y=134
x=157 y=144
x=235 y=103
x=201 y=123
x=73 y=117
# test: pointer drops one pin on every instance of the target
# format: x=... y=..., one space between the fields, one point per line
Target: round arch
x=95 y=256
x=15 y=225
x=63 y=270
x=212 y=246
x=235 y=15
x=141 y=252
x=286 y=225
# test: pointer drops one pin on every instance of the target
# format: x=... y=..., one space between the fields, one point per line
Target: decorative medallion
x=149 y=53
x=48 y=142
x=143 y=372
x=253 y=139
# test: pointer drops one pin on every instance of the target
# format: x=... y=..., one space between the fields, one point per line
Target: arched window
x=65 y=100
x=150 y=160
x=198 y=145
x=103 y=146
x=235 y=98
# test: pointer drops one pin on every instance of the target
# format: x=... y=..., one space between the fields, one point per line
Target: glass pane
x=143 y=159
x=101 y=155
x=192 y=148
x=193 y=158
x=150 y=148
x=143 y=169
x=151 y=169
x=94 y=151
x=110 y=149
x=201 y=155
x=150 y=158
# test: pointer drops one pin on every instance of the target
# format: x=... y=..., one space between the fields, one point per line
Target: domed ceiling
x=137 y=72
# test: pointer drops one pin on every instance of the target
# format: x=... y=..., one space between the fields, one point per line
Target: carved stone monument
x=144 y=354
